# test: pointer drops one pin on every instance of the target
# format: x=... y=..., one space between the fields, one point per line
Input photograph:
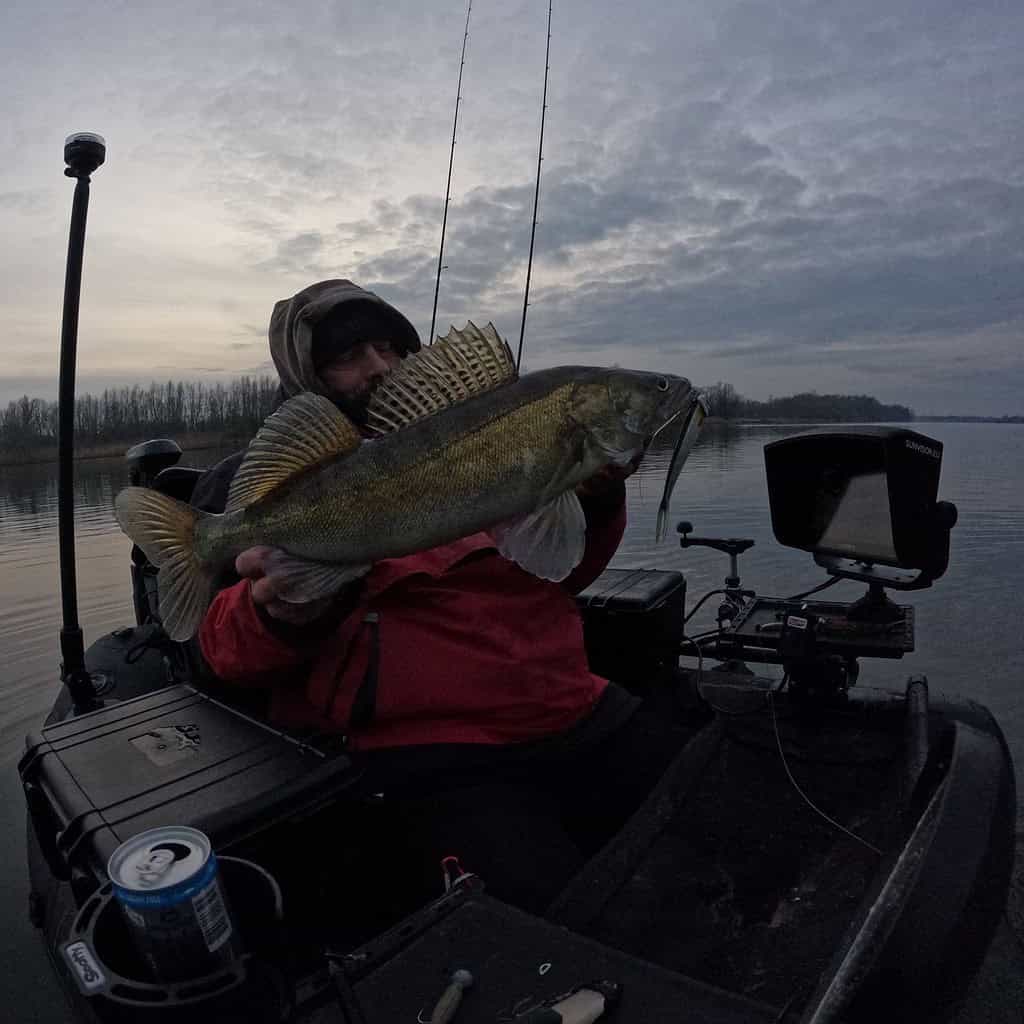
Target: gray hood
x=291 y=330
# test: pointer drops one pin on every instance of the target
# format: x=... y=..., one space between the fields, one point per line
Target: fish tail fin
x=165 y=530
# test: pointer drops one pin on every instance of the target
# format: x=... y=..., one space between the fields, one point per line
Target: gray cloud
x=828 y=194
x=26 y=201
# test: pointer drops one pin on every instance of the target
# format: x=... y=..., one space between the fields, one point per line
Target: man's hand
x=604 y=480
x=251 y=565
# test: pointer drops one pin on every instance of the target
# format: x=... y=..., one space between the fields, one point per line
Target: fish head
x=648 y=402
x=635 y=407
x=622 y=410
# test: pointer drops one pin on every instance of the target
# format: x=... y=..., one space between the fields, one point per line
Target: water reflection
x=30 y=608
x=968 y=632
x=967 y=629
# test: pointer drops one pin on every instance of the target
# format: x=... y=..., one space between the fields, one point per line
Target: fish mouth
x=693 y=414
x=691 y=401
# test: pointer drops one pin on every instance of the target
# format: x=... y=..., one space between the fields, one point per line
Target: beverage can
x=166 y=882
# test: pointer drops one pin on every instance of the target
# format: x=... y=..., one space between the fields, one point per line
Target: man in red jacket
x=460 y=678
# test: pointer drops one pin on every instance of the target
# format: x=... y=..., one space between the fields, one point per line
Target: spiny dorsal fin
x=304 y=432
x=461 y=364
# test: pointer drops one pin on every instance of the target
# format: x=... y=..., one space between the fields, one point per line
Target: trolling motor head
x=83 y=153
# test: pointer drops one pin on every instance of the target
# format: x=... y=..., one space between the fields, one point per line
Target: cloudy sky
x=786 y=196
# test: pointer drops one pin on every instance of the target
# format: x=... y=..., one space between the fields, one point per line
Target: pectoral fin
x=548 y=542
x=298 y=580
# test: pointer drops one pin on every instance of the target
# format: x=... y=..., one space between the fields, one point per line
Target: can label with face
x=165 y=880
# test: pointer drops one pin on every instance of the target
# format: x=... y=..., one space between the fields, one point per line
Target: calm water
x=969 y=629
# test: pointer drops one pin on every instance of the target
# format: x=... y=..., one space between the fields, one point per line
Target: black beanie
x=351 y=323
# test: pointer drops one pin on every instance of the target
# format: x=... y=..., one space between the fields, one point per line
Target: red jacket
x=469 y=648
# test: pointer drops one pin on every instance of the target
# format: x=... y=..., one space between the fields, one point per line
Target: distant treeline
x=236 y=410
x=727 y=404
x=970 y=419
x=134 y=413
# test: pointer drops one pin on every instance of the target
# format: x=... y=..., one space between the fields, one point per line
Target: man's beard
x=354 y=407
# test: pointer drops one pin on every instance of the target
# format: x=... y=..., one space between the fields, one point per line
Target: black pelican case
x=633 y=624
x=176 y=756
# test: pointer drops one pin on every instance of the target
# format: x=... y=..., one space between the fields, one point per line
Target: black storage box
x=173 y=757
x=633 y=624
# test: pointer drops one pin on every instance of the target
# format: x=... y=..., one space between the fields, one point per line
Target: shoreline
x=117 y=449
x=206 y=441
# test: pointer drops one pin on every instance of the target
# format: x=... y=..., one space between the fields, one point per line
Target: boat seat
x=177 y=481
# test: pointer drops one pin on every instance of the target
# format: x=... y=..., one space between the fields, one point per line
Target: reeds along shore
x=192 y=412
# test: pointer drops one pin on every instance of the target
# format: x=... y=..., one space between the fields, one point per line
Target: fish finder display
x=856 y=521
x=866 y=494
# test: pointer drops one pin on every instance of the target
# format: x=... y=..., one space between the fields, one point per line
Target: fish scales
x=382 y=489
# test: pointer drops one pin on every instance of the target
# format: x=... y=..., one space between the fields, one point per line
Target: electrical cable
x=815 y=590
x=696 y=608
x=810 y=803
x=780 y=1019
x=706 y=635
x=700 y=659
x=699 y=687
x=712 y=634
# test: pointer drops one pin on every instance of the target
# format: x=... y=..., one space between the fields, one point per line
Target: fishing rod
x=448 y=187
x=83 y=153
x=536 y=191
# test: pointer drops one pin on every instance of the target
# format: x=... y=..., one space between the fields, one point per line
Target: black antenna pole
x=536 y=191
x=83 y=153
x=448 y=188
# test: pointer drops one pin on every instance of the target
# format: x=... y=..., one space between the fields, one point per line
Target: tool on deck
x=446 y=1006
x=582 y=1005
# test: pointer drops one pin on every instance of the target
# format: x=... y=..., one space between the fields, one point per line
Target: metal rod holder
x=83 y=153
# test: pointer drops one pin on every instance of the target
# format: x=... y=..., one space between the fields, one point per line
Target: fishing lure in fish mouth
x=463 y=445
x=684 y=445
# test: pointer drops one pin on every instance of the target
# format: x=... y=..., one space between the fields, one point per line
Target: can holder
x=100 y=957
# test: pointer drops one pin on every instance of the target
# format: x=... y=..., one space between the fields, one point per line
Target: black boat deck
x=728 y=876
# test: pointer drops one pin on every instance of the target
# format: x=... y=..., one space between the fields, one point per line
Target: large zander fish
x=463 y=445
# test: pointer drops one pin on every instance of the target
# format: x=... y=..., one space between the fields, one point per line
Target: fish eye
x=661 y=384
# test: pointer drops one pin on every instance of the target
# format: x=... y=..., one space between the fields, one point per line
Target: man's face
x=352 y=376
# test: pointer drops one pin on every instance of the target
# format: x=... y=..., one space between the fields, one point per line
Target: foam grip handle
x=582 y=1007
x=446 y=1006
